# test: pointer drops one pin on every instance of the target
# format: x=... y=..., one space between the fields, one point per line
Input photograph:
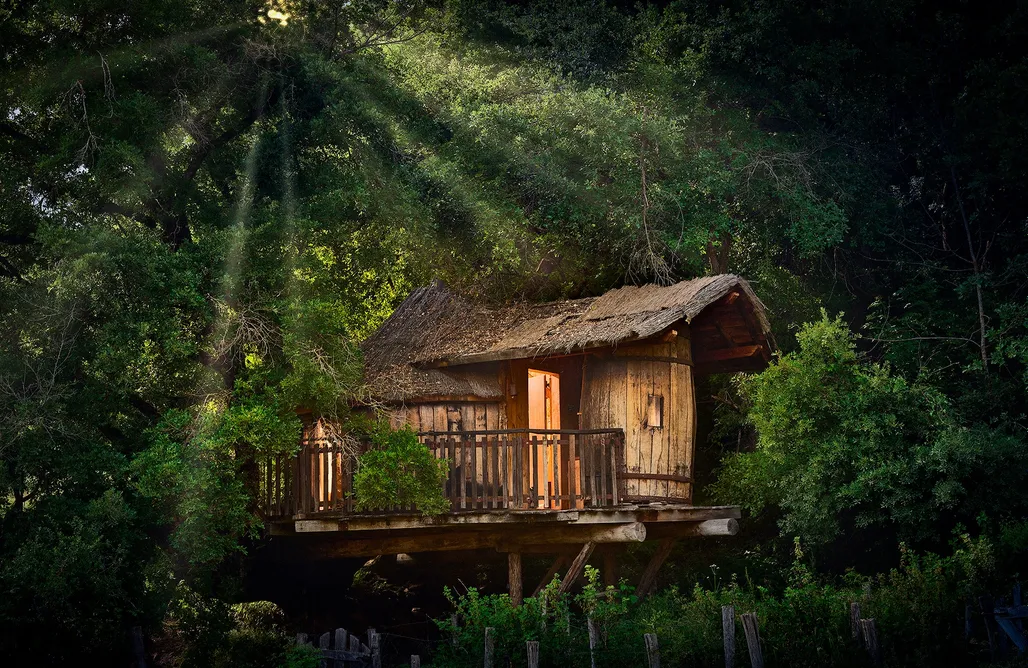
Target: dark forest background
x=206 y=206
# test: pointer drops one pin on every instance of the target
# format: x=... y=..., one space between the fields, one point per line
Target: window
x=655 y=412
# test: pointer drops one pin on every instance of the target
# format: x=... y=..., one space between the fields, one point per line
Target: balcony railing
x=487 y=470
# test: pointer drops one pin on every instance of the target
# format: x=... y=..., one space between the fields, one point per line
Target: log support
x=558 y=564
x=577 y=566
x=649 y=576
x=514 y=577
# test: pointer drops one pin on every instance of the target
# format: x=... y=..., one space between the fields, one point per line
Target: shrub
x=918 y=607
x=399 y=470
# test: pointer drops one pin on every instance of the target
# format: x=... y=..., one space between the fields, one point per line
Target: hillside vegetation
x=206 y=206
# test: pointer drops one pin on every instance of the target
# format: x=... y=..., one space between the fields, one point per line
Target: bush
x=918 y=607
x=400 y=471
x=207 y=633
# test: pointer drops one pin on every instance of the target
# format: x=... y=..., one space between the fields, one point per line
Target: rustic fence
x=486 y=470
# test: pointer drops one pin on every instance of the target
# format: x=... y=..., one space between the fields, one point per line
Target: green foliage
x=918 y=606
x=399 y=471
x=203 y=211
x=200 y=632
x=845 y=444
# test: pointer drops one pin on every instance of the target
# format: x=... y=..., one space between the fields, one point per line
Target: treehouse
x=563 y=425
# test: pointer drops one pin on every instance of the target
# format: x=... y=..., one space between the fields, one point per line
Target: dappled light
x=379 y=309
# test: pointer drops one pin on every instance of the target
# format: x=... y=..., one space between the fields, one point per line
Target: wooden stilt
x=649 y=576
x=610 y=566
x=514 y=577
x=558 y=564
x=576 y=567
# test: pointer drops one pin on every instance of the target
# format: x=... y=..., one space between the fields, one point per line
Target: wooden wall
x=442 y=415
x=618 y=387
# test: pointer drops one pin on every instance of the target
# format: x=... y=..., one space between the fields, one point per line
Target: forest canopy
x=206 y=206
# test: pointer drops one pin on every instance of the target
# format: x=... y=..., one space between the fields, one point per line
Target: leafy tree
x=845 y=445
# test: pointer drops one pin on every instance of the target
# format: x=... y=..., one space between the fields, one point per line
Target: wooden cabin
x=563 y=423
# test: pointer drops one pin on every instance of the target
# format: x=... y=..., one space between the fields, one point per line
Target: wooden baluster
x=533 y=473
x=476 y=487
x=555 y=456
x=574 y=469
x=337 y=459
x=452 y=459
x=504 y=472
x=498 y=484
x=325 y=463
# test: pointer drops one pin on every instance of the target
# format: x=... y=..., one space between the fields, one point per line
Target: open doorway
x=544 y=413
x=543 y=400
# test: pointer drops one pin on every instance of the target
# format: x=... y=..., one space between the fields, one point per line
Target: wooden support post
x=301 y=638
x=453 y=623
x=514 y=577
x=749 y=625
x=610 y=566
x=855 y=622
x=870 y=633
x=490 y=643
x=325 y=641
x=355 y=644
x=341 y=639
x=594 y=640
x=576 y=567
x=374 y=645
x=728 y=629
x=415 y=661
x=652 y=650
x=558 y=563
x=532 y=648
x=649 y=576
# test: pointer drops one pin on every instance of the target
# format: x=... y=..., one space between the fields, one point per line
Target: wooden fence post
x=855 y=622
x=301 y=638
x=652 y=650
x=489 y=647
x=341 y=639
x=749 y=625
x=870 y=632
x=728 y=629
x=375 y=646
x=453 y=623
x=594 y=639
x=532 y=648
x=355 y=644
x=415 y=661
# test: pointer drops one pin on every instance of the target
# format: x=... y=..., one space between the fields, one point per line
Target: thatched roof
x=435 y=328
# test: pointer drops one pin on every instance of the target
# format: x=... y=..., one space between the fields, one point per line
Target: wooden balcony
x=498 y=470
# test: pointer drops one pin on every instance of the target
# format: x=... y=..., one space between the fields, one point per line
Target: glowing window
x=655 y=412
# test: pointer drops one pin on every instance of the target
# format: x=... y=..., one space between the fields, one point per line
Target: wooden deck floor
x=520 y=531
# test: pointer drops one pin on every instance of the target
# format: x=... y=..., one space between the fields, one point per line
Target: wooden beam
x=672 y=512
x=633 y=532
x=726 y=527
x=723 y=354
x=514 y=577
x=558 y=564
x=649 y=576
x=508 y=539
x=576 y=567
